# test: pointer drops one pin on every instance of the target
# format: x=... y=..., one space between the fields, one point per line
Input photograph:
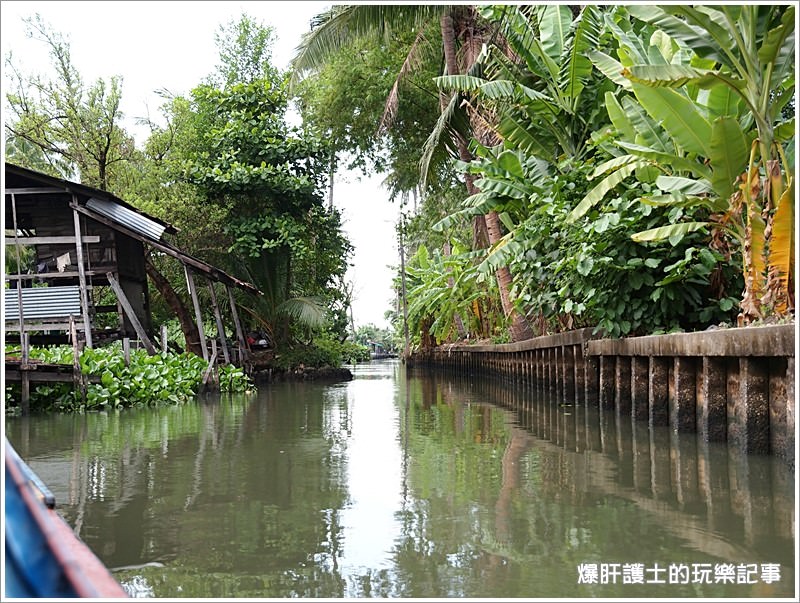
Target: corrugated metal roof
x=43 y=302
x=17 y=176
x=135 y=221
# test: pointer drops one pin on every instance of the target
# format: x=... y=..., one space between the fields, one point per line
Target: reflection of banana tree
x=710 y=92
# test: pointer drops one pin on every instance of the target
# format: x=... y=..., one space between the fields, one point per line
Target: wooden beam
x=19 y=267
x=220 y=326
x=47 y=276
x=126 y=305
x=56 y=240
x=37 y=326
x=197 y=312
x=182 y=257
x=87 y=325
x=239 y=333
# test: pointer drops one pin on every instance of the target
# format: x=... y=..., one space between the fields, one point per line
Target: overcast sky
x=154 y=45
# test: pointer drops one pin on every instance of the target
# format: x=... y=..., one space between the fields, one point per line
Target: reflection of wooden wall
x=728 y=385
x=697 y=487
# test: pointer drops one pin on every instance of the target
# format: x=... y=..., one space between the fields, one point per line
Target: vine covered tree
x=260 y=183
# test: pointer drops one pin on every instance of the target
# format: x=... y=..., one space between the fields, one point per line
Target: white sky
x=163 y=44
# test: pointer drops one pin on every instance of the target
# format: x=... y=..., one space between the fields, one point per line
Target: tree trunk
x=520 y=329
x=188 y=326
x=486 y=229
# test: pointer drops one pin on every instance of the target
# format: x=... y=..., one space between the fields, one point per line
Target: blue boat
x=43 y=556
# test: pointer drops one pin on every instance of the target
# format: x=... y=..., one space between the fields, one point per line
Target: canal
x=413 y=484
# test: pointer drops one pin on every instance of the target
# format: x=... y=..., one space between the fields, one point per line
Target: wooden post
x=239 y=332
x=682 y=395
x=214 y=364
x=220 y=327
x=164 y=338
x=197 y=312
x=87 y=325
x=24 y=376
x=126 y=305
x=211 y=364
x=78 y=381
x=19 y=269
x=126 y=350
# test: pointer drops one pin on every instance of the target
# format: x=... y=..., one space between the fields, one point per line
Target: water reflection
x=405 y=486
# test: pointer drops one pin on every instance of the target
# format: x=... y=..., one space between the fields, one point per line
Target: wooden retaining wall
x=725 y=385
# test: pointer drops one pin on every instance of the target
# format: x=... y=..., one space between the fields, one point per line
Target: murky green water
x=418 y=486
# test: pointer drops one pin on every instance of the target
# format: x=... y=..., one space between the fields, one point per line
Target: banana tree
x=445 y=289
x=536 y=93
x=710 y=91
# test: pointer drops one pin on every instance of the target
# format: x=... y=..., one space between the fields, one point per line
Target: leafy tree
x=62 y=126
x=372 y=333
x=345 y=100
x=70 y=130
x=229 y=149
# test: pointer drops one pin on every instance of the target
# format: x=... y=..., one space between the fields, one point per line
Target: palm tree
x=463 y=35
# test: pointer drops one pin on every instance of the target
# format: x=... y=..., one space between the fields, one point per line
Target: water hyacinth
x=164 y=378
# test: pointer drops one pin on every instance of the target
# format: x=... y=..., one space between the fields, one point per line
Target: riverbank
x=327 y=374
x=733 y=385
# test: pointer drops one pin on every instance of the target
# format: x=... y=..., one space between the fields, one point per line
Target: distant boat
x=43 y=556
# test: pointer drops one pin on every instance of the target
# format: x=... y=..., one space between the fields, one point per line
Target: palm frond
x=412 y=62
x=448 y=119
x=340 y=25
x=308 y=311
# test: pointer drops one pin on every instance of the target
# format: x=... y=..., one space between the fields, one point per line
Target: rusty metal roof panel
x=131 y=219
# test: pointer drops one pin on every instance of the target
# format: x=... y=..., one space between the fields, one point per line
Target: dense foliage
x=627 y=168
x=639 y=159
x=243 y=187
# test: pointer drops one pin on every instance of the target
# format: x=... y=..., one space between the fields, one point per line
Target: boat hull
x=43 y=556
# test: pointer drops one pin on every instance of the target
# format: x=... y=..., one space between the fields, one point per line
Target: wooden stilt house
x=78 y=258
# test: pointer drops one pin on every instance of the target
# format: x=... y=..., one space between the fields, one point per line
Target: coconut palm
x=463 y=36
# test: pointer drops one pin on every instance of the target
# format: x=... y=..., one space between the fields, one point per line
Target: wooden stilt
x=25 y=379
x=126 y=305
x=220 y=327
x=78 y=380
x=238 y=325
x=197 y=312
x=87 y=325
